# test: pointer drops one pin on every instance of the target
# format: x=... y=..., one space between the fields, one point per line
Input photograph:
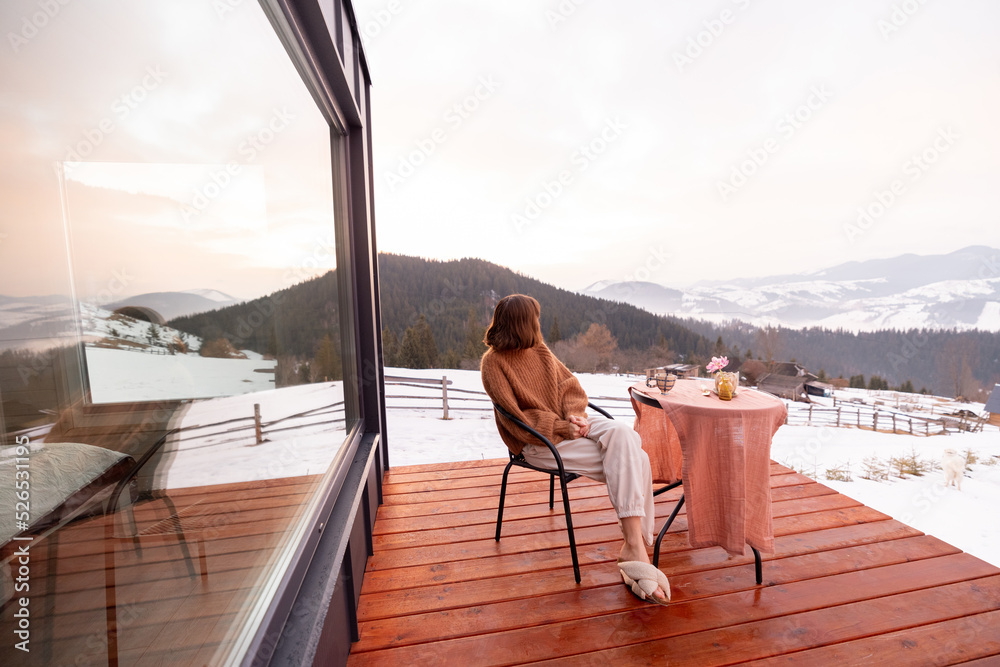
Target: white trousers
x=611 y=454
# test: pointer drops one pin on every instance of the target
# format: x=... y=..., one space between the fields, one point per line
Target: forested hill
x=447 y=292
x=434 y=314
x=944 y=362
x=290 y=321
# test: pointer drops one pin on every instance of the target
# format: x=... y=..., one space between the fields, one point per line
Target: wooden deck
x=847 y=585
x=165 y=614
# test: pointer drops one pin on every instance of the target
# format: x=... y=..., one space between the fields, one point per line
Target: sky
x=570 y=140
x=674 y=142
x=183 y=153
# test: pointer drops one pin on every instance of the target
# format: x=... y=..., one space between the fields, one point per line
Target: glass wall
x=175 y=326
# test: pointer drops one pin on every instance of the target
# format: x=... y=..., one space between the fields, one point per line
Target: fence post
x=894 y=423
x=810 y=414
x=875 y=420
x=256 y=423
x=444 y=395
x=859 y=416
x=911 y=425
x=838 y=416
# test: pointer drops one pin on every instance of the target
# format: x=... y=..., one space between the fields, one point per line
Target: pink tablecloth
x=721 y=450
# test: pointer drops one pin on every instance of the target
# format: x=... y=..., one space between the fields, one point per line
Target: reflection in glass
x=171 y=353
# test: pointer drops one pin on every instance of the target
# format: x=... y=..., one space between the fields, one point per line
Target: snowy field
x=303 y=428
x=963 y=518
x=122 y=375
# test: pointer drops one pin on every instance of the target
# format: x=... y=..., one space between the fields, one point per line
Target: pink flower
x=717 y=364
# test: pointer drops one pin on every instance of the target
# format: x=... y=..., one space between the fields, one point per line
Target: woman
x=523 y=376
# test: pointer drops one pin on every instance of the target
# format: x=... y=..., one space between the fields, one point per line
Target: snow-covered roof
x=779 y=380
x=993 y=402
x=821 y=385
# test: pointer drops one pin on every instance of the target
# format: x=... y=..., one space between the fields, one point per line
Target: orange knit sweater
x=536 y=388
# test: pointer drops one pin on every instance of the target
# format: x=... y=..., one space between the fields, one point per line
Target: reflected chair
x=559 y=471
x=653 y=403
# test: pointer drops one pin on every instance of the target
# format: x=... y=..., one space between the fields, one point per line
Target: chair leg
x=663 y=531
x=133 y=527
x=758 y=568
x=552 y=491
x=181 y=539
x=203 y=559
x=668 y=487
x=569 y=529
x=110 y=591
x=503 y=493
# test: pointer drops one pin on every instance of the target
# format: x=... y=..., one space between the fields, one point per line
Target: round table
x=721 y=450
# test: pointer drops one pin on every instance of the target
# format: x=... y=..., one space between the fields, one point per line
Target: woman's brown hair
x=515 y=324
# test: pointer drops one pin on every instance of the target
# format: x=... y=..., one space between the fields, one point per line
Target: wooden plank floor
x=847 y=585
x=165 y=615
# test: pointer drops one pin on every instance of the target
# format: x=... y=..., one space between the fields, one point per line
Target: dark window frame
x=322 y=583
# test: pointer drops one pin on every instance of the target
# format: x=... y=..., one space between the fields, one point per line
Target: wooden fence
x=875 y=418
x=437 y=394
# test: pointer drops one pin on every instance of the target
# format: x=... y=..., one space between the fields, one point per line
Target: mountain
x=103 y=328
x=291 y=321
x=444 y=292
x=172 y=305
x=33 y=322
x=959 y=290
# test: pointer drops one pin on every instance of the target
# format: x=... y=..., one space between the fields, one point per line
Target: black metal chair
x=559 y=471
x=653 y=403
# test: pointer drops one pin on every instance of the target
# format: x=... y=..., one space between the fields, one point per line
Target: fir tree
x=451 y=359
x=390 y=348
x=327 y=365
x=305 y=373
x=554 y=334
x=418 y=349
x=474 y=334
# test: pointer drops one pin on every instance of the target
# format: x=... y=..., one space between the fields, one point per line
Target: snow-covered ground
x=963 y=518
x=129 y=360
x=303 y=428
x=215 y=439
x=125 y=375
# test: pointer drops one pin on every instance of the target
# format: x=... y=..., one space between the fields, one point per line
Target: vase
x=725 y=385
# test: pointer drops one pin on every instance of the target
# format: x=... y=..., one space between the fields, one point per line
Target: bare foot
x=633 y=553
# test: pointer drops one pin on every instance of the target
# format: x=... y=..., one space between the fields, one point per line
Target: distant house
x=683 y=370
x=789 y=368
x=993 y=406
x=817 y=388
x=788 y=379
x=792 y=387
